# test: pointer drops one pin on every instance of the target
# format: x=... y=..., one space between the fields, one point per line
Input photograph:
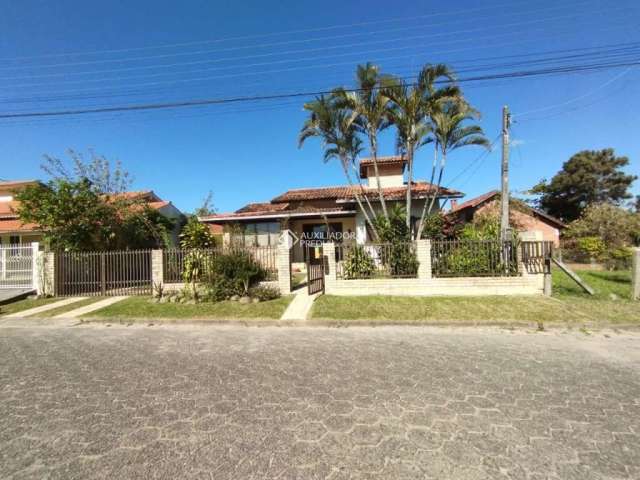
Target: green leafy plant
x=358 y=263
x=196 y=235
x=264 y=293
x=593 y=247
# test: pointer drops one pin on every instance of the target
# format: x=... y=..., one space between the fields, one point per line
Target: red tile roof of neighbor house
x=8 y=209
x=486 y=197
x=348 y=193
x=16 y=183
x=15 y=225
x=276 y=211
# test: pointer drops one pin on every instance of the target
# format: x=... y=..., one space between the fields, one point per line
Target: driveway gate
x=126 y=272
x=16 y=266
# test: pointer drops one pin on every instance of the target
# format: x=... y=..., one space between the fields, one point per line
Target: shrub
x=358 y=263
x=264 y=293
x=239 y=266
x=402 y=260
x=619 y=259
x=593 y=247
x=219 y=288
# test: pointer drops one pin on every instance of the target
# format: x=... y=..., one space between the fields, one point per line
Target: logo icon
x=288 y=239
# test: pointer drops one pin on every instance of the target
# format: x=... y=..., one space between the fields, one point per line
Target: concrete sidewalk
x=91 y=308
x=300 y=306
x=44 y=308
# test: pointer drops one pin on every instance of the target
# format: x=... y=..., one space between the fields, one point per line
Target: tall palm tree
x=450 y=133
x=370 y=106
x=338 y=131
x=411 y=107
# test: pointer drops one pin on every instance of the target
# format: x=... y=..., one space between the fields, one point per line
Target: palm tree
x=370 y=106
x=410 y=113
x=449 y=134
x=338 y=131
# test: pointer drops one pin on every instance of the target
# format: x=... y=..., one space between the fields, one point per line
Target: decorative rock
x=613 y=296
x=245 y=300
x=190 y=302
x=255 y=300
x=234 y=298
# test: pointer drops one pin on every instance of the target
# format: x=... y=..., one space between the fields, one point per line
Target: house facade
x=326 y=212
x=13 y=231
x=532 y=224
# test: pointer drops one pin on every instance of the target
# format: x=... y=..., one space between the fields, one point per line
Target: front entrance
x=315 y=268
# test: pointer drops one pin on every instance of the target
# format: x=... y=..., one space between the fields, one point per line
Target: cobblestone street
x=376 y=403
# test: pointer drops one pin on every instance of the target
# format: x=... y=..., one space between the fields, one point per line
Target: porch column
x=283 y=261
x=330 y=277
x=361 y=229
x=423 y=252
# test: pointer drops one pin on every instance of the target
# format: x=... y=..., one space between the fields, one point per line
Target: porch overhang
x=275 y=216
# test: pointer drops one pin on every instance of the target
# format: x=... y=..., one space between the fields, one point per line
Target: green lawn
x=569 y=305
x=25 y=304
x=141 y=308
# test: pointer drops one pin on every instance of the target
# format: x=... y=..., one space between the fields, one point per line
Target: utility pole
x=505 y=232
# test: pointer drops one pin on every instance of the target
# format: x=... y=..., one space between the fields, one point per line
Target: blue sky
x=68 y=54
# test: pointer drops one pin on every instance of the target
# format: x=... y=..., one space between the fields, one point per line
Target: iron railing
x=16 y=266
x=126 y=272
x=473 y=258
x=173 y=260
x=376 y=260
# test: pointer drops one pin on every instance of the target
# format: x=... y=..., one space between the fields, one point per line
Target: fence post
x=423 y=252
x=49 y=286
x=283 y=262
x=157 y=268
x=635 y=274
x=35 y=267
x=330 y=274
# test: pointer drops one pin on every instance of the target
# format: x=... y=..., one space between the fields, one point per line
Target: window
x=261 y=234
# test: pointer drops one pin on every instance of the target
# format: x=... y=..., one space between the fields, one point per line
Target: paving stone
x=303 y=403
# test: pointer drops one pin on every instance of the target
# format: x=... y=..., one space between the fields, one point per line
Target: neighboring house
x=533 y=224
x=312 y=213
x=14 y=231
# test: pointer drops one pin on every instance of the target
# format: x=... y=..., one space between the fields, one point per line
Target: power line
x=273 y=34
x=262 y=55
x=218 y=101
x=479 y=158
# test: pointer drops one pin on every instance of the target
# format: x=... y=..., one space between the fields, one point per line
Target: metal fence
x=173 y=260
x=103 y=273
x=16 y=266
x=376 y=260
x=473 y=258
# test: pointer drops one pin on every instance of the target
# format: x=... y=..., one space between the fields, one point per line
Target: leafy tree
x=74 y=216
x=410 y=111
x=615 y=226
x=71 y=214
x=337 y=129
x=451 y=132
x=370 y=106
x=207 y=207
x=103 y=177
x=587 y=178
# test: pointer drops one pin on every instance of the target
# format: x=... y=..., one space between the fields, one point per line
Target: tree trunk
x=409 y=149
x=426 y=200
x=374 y=155
x=437 y=191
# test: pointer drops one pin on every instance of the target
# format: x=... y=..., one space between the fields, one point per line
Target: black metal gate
x=315 y=269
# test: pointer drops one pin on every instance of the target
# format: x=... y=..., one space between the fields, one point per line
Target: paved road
x=375 y=403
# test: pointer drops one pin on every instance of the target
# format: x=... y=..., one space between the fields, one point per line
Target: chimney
x=454 y=203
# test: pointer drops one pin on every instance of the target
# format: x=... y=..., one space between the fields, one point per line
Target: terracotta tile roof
x=419 y=189
x=147 y=195
x=474 y=202
x=15 y=225
x=398 y=160
x=262 y=207
x=486 y=197
x=8 y=209
x=276 y=213
x=16 y=183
